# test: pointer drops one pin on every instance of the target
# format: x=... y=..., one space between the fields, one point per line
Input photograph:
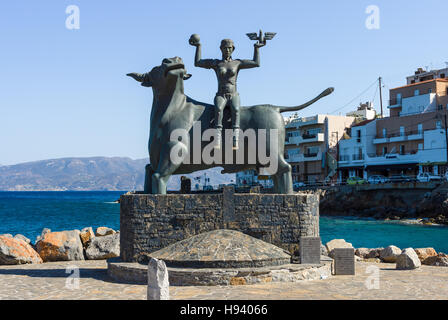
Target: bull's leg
x=148 y=179
x=167 y=166
x=283 y=181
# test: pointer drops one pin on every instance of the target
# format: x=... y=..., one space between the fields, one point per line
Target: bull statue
x=172 y=111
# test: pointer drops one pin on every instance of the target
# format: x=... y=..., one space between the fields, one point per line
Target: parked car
x=426 y=177
x=355 y=180
x=298 y=185
x=375 y=179
x=398 y=178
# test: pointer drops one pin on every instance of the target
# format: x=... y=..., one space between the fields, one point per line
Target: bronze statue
x=226 y=71
x=172 y=110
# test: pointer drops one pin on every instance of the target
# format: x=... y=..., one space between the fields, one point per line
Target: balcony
x=344 y=158
x=308 y=138
x=304 y=157
x=380 y=139
x=358 y=157
x=395 y=103
x=415 y=135
x=397 y=137
x=299 y=122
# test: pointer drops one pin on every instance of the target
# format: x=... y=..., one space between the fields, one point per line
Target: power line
x=351 y=101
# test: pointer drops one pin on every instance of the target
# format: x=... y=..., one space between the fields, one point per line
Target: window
x=384 y=151
x=420 y=146
x=402 y=149
x=440 y=107
x=429 y=90
x=384 y=133
x=420 y=128
x=416 y=92
x=398 y=98
x=358 y=134
x=401 y=131
x=438 y=124
x=442 y=75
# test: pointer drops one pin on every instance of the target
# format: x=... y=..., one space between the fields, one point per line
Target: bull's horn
x=137 y=76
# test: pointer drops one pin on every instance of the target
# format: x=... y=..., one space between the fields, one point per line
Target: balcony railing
x=310 y=155
x=309 y=136
x=399 y=134
x=356 y=157
x=344 y=158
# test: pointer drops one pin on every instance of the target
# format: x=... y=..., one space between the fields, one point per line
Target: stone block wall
x=151 y=222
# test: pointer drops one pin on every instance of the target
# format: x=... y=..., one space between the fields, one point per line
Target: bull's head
x=164 y=77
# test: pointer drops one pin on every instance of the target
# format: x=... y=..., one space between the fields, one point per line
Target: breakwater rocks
x=405 y=259
x=413 y=201
x=60 y=246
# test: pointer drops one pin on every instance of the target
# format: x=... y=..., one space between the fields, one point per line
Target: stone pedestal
x=151 y=222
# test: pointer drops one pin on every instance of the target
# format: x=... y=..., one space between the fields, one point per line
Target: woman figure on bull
x=226 y=71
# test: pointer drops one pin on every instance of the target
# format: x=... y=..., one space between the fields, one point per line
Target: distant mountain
x=88 y=174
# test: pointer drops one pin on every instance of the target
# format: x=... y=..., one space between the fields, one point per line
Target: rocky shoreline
x=73 y=245
x=104 y=243
x=411 y=206
x=405 y=259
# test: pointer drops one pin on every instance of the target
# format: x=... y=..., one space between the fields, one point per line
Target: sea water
x=28 y=213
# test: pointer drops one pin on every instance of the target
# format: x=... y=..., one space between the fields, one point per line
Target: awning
x=400 y=166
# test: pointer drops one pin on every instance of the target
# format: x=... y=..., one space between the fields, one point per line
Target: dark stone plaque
x=344 y=261
x=310 y=250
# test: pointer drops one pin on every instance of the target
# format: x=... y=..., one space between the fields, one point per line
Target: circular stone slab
x=222 y=249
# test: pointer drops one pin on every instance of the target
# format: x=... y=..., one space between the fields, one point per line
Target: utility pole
x=381 y=96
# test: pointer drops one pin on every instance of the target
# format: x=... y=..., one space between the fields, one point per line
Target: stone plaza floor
x=53 y=281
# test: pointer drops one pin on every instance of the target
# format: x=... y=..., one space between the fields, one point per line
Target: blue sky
x=64 y=92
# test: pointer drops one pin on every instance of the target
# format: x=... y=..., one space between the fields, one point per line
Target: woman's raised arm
x=246 y=64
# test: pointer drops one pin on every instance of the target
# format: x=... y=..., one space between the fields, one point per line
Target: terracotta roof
x=417 y=83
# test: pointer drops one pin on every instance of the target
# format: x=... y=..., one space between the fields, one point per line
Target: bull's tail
x=324 y=93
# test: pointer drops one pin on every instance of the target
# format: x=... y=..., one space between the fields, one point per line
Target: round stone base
x=131 y=272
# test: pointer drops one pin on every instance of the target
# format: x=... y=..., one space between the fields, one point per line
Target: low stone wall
x=152 y=222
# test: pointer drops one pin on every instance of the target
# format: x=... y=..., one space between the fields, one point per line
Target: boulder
x=374 y=253
x=441 y=260
x=424 y=253
x=408 y=260
x=60 y=246
x=390 y=254
x=362 y=252
x=104 y=231
x=158 y=283
x=323 y=250
x=104 y=247
x=44 y=231
x=86 y=236
x=17 y=251
x=337 y=243
x=22 y=237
